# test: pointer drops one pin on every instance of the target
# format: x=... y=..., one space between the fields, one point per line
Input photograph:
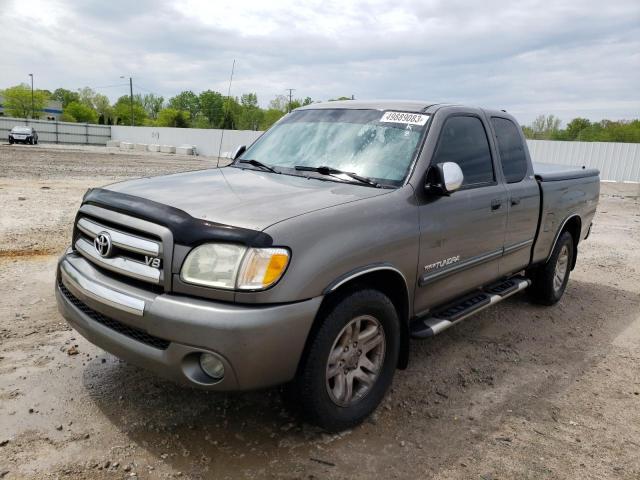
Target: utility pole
x=291 y=90
x=130 y=98
x=31 y=75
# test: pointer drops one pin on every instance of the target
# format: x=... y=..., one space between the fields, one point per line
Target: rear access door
x=523 y=204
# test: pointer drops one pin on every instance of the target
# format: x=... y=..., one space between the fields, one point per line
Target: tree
x=152 y=104
x=280 y=102
x=65 y=96
x=186 y=101
x=103 y=108
x=270 y=117
x=545 y=127
x=575 y=127
x=230 y=113
x=170 y=117
x=80 y=112
x=17 y=101
x=122 y=111
x=87 y=97
x=211 y=106
x=307 y=101
x=250 y=113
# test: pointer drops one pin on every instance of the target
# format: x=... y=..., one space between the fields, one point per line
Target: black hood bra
x=186 y=229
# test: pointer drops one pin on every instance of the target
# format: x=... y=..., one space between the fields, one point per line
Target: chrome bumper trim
x=76 y=282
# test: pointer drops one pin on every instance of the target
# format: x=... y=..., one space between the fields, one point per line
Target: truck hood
x=242 y=197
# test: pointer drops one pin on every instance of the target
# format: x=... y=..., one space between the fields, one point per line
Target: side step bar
x=464 y=307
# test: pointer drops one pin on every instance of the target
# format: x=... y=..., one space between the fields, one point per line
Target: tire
x=11 y=141
x=321 y=387
x=550 y=280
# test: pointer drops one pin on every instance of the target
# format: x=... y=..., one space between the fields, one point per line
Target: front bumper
x=259 y=345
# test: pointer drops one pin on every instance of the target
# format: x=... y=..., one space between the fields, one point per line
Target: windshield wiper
x=258 y=164
x=325 y=170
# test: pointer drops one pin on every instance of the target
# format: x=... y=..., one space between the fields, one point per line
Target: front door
x=462 y=235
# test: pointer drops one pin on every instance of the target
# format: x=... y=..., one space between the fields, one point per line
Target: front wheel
x=550 y=280
x=350 y=361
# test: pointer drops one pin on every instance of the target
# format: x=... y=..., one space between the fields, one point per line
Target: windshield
x=371 y=143
x=21 y=130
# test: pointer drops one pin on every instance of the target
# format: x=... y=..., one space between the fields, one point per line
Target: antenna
x=225 y=113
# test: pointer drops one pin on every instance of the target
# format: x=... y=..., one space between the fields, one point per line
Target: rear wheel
x=550 y=280
x=350 y=361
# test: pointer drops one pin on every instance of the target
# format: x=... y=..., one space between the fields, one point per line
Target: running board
x=464 y=307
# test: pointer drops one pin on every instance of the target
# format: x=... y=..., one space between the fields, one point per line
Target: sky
x=567 y=58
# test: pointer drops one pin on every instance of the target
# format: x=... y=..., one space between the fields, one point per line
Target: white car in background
x=23 y=134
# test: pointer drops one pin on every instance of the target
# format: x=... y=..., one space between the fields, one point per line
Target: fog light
x=212 y=366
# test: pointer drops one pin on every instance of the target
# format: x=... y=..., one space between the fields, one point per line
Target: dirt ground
x=518 y=391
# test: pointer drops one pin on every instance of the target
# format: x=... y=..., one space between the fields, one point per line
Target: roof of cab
x=402 y=105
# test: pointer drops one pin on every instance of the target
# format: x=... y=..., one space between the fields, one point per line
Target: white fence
x=59 y=132
x=618 y=162
x=207 y=141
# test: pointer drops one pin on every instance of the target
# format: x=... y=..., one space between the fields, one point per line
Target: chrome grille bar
x=121 y=265
x=125 y=241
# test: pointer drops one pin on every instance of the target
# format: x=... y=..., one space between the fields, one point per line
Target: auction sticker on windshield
x=404 y=117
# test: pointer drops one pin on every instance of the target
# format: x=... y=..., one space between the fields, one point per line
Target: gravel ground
x=518 y=391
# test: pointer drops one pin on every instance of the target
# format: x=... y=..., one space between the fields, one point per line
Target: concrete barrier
x=209 y=141
x=154 y=147
x=167 y=149
x=140 y=147
x=126 y=146
x=113 y=143
x=184 y=150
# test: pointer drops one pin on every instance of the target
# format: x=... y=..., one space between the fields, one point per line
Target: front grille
x=113 y=324
x=126 y=252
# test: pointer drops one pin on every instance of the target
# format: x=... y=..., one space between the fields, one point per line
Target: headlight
x=231 y=266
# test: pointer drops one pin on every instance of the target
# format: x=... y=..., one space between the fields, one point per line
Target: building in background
x=51 y=111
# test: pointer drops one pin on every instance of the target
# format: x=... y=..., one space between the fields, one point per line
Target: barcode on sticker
x=404 y=117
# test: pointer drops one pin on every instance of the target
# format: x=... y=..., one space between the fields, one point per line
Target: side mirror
x=444 y=178
x=239 y=151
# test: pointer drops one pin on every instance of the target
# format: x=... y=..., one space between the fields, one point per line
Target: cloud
x=567 y=58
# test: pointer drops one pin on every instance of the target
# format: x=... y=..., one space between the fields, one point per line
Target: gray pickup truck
x=311 y=261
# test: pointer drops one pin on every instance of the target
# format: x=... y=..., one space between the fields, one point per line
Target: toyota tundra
x=345 y=230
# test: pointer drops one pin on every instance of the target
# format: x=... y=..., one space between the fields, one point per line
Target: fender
x=555 y=240
x=358 y=272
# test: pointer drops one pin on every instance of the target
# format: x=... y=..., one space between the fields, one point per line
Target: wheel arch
x=383 y=277
x=573 y=225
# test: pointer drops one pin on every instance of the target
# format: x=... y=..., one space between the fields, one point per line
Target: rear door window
x=512 y=156
x=464 y=141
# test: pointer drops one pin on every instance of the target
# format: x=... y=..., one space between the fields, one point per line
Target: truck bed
x=547 y=172
x=565 y=191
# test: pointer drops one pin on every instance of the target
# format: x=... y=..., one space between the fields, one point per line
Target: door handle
x=515 y=201
x=496 y=204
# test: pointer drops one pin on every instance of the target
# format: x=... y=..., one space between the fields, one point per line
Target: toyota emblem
x=102 y=243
